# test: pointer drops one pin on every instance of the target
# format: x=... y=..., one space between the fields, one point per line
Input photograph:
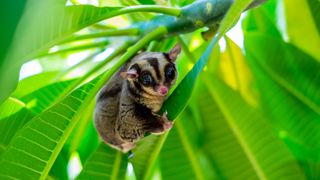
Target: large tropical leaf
x=298 y=125
x=291 y=103
x=240 y=141
x=105 y=163
x=297 y=72
x=38 y=144
x=287 y=79
x=14 y=114
x=37 y=33
x=11 y=11
x=234 y=71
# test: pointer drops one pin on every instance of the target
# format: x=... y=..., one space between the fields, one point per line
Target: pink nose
x=163 y=90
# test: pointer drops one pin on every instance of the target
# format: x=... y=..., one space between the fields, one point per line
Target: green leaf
x=36 y=33
x=32 y=83
x=297 y=72
x=181 y=156
x=146 y=1
x=42 y=98
x=178 y=100
x=291 y=104
x=232 y=16
x=105 y=163
x=145 y=154
x=240 y=141
x=13 y=116
x=306 y=38
x=175 y=162
x=84 y=134
x=10 y=106
x=262 y=19
x=59 y=169
x=77 y=48
x=298 y=125
x=11 y=12
x=180 y=96
x=38 y=144
x=314 y=7
x=89 y=136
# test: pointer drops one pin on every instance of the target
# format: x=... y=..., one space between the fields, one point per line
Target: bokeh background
x=254 y=112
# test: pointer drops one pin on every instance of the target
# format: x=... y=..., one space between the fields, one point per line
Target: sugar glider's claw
x=167 y=125
x=165 y=115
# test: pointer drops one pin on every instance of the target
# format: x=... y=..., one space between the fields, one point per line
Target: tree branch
x=201 y=13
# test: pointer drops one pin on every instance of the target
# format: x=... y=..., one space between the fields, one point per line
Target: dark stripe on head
x=136 y=67
x=132 y=90
x=154 y=62
x=137 y=86
x=166 y=56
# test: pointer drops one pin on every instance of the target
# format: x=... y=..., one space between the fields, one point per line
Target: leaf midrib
x=284 y=84
x=237 y=133
x=67 y=132
x=195 y=164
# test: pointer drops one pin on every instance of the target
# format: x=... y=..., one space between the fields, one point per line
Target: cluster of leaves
x=251 y=116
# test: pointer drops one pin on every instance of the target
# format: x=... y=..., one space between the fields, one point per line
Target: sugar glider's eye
x=146 y=79
x=169 y=72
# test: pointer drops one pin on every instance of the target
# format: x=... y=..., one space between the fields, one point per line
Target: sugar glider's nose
x=163 y=90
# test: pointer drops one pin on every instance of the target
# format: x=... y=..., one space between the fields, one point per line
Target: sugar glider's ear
x=174 y=52
x=130 y=74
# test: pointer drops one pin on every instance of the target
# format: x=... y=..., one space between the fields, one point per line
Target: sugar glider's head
x=153 y=73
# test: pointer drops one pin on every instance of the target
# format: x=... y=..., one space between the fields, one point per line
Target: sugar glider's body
x=127 y=105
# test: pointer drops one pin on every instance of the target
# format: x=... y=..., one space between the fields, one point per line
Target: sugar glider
x=126 y=106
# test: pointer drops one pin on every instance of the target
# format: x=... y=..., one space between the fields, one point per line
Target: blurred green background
x=246 y=104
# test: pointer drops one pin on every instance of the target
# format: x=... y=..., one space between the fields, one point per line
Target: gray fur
x=122 y=117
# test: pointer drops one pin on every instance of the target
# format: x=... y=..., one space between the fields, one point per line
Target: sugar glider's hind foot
x=125 y=147
x=167 y=125
x=163 y=125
